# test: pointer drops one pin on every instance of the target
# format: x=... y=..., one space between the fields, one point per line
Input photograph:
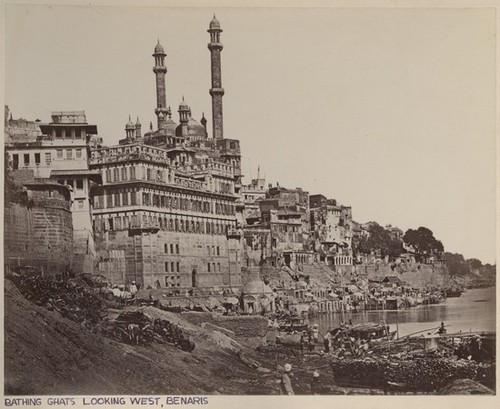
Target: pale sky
x=390 y=111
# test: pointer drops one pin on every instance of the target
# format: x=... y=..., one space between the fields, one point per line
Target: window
x=177 y=248
x=58 y=133
x=117 y=199
x=208 y=250
x=132 y=172
x=37 y=158
x=125 y=199
x=133 y=199
x=116 y=174
x=26 y=158
x=166 y=267
x=124 y=173
x=171 y=249
x=15 y=161
x=110 y=221
x=178 y=265
x=48 y=158
x=218 y=251
x=166 y=248
x=79 y=184
x=78 y=153
x=78 y=133
x=80 y=204
x=208 y=267
x=172 y=265
x=218 y=267
x=69 y=153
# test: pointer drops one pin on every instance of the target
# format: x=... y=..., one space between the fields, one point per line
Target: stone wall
x=40 y=236
x=146 y=255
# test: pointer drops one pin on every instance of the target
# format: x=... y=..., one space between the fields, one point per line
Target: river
x=475 y=310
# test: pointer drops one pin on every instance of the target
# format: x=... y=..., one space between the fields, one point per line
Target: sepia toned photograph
x=248 y=201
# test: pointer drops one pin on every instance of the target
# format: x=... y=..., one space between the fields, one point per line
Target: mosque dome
x=256 y=287
x=159 y=49
x=195 y=128
x=214 y=24
x=169 y=126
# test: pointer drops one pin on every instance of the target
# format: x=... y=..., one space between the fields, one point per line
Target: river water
x=473 y=311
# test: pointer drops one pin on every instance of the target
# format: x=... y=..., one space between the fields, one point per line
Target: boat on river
x=293 y=324
x=372 y=332
x=453 y=292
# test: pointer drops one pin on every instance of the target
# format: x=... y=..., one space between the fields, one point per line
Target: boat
x=372 y=332
x=293 y=324
x=453 y=292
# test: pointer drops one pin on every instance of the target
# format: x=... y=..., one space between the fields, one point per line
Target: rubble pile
x=71 y=300
x=136 y=328
x=418 y=374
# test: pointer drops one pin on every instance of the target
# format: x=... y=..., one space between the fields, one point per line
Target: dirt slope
x=48 y=354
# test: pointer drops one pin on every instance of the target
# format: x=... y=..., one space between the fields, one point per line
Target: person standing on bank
x=286 y=383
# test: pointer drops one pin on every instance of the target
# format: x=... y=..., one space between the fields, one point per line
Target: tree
x=423 y=241
x=456 y=264
x=379 y=239
x=474 y=263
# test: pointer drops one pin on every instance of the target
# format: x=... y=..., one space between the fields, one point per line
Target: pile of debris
x=136 y=328
x=418 y=374
x=70 y=299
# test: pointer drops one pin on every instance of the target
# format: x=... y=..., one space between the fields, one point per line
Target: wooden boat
x=372 y=332
x=293 y=324
x=453 y=292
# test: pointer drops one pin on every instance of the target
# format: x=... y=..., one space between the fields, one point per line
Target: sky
x=390 y=111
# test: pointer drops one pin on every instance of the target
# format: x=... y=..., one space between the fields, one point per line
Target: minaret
x=203 y=122
x=137 y=128
x=184 y=114
x=160 y=70
x=215 y=47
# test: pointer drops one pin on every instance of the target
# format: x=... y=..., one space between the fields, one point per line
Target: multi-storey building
x=166 y=214
x=331 y=227
x=59 y=150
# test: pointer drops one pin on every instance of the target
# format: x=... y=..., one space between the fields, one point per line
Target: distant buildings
x=332 y=229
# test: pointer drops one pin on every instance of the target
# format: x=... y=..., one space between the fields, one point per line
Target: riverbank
x=65 y=357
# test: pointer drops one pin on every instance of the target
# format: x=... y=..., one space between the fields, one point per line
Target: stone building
x=251 y=194
x=331 y=228
x=59 y=151
x=167 y=212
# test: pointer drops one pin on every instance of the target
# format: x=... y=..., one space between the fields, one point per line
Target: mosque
x=167 y=213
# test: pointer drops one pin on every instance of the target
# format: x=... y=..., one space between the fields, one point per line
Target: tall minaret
x=160 y=70
x=215 y=47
